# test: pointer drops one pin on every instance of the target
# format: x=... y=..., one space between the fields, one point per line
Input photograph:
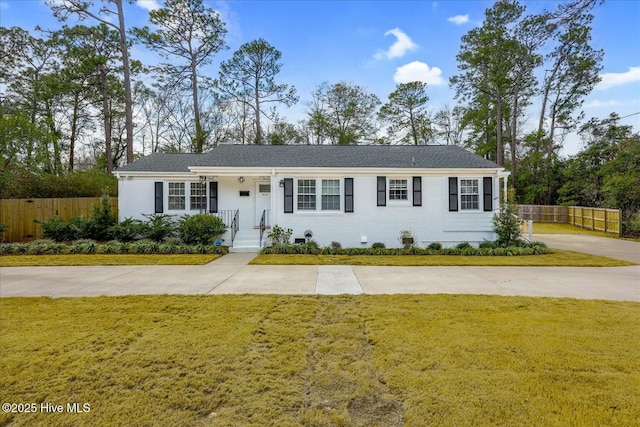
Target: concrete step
x=246 y=240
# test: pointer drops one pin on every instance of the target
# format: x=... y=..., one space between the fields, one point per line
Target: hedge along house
x=355 y=195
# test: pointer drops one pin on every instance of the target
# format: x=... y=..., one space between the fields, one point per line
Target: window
x=469 y=196
x=397 y=189
x=330 y=194
x=176 y=195
x=306 y=194
x=198 y=200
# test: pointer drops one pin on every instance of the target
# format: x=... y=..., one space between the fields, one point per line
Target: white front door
x=262 y=200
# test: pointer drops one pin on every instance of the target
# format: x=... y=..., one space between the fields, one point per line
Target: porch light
x=241 y=179
x=203 y=180
x=281 y=183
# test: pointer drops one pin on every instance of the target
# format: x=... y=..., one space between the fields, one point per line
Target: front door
x=262 y=200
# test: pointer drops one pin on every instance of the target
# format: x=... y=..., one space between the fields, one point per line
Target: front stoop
x=247 y=240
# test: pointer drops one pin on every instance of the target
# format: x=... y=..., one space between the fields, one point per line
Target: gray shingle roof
x=316 y=156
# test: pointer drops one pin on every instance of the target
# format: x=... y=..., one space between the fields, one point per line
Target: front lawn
x=388 y=360
x=104 y=259
x=554 y=258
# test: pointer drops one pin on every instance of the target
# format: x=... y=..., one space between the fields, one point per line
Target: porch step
x=247 y=240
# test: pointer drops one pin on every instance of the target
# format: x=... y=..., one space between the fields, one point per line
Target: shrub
x=200 y=229
x=41 y=247
x=57 y=229
x=435 y=246
x=336 y=245
x=103 y=218
x=126 y=230
x=145 y=246
x=469 y=251
x=378 y=245
x=279 y=236
x=463 y=245
x=506 y=224
x=158 y=227
x=487 y=245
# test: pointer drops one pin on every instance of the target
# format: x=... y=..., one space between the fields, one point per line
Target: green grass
x=104 y=259
x=561 y=228
x=322 y=361
x=556 y=258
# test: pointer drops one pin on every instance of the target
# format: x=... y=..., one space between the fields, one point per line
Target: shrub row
x=313 y=249
x=192 y=229
x=85 y=246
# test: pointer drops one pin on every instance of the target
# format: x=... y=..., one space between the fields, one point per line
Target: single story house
x=354 y=195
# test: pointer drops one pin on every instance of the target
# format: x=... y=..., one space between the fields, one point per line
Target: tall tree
x=343 y=114
x=249 y=78
x=487 y=63
x=62 y=9
x=450 y=124
x=192 y=33
x=406 y=114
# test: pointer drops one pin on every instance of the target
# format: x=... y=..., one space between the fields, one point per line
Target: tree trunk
x=128 y=102
x=258 y=128
x=199 y=142
x=74 y=131
x=106 y=116
x=499 y=145
x=514 y=144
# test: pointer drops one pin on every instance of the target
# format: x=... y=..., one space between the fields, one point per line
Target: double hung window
x=176 y=196
x=469 y=195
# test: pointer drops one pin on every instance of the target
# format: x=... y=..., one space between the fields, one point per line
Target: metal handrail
x=234 y=225
x=262 y=225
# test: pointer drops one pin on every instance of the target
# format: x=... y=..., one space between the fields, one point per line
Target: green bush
x=378 y=245
x=463 y=245
x=336 y=245
x=279 y=236
x=103 y=218
x=487 y=245
x=200 y=229
x=44 y=247
x=506 y=224
x=55 y=228
x=158 y=227
x=127 y=230
x=435 y=246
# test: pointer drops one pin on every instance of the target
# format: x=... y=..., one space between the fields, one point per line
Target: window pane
x=307 y=194
x=198 y=199
x=176 y=195
x=397 y=189
x=330 y=194
x=469 y=197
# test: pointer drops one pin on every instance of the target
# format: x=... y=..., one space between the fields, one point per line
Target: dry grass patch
x=555 y=258
x=562 y=228
x=322 y=361
x=104 y=259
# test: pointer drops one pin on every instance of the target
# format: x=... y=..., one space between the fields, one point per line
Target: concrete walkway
x=232 y=275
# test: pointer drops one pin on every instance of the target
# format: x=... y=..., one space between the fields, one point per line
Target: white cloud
x=616 y=79
x=399 y=48
x=596 y=103
x=419 y=71
x=459 y=19
x=148 y=4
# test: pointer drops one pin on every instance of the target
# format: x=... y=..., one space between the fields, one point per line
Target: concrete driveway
x=231 y=274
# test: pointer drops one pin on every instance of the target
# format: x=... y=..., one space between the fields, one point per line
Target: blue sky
x=377 y=44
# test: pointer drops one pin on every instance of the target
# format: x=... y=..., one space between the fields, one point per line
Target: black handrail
x=262 y=225
x=234 y=225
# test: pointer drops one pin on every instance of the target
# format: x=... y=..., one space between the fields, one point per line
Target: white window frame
x=319 y=195
x=201 y=193
x=468 y=197
x=332 y=195
x=173 y=196
x=312 y=197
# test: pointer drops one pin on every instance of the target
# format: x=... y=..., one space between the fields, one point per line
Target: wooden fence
x=19 y=214
x=598 y=219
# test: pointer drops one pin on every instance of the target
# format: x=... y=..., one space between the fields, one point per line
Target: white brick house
x=355 y=195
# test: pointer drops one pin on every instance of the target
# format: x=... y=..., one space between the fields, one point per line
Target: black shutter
x=453 y=194
x=288 y=195
x=417 y=191
x=348 y=194
x=487 y=192
x=159 y=197
x=213 y=197
x=382 y=191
